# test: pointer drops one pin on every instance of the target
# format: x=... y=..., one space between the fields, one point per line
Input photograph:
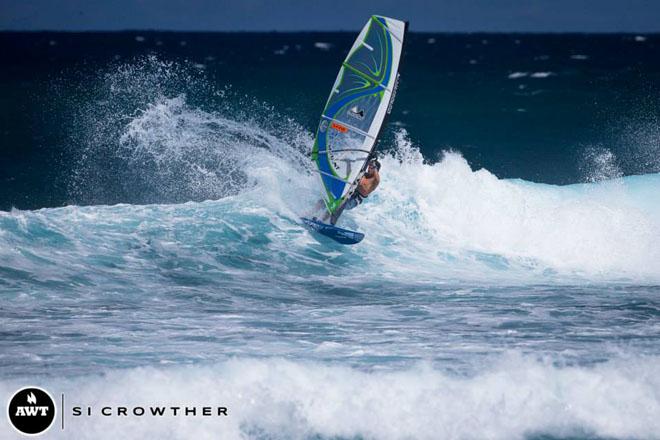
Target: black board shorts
x=355 y=200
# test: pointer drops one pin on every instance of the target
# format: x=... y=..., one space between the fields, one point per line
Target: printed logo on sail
x=339 y=127
x=31 y=410
x=356 y=112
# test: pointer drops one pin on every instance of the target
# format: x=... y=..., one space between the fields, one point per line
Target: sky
x=315 y=15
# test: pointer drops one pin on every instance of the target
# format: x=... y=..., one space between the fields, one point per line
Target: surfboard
x=340 y=235
x=355 y=112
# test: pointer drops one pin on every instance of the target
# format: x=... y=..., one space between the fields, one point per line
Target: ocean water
x=507 y=288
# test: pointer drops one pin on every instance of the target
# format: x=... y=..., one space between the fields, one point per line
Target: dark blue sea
x=508 y=286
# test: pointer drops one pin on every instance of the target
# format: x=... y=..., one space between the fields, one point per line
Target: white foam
x=598 y=230
x=282 y=51
x=508 y=398
x=323 y=45
x=542 y=74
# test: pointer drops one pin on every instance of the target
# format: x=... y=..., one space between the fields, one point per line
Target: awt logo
x=31 y=410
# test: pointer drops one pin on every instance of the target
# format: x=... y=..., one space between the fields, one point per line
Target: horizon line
x=453 y=32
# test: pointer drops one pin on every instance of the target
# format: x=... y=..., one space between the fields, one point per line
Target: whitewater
x=476 y=306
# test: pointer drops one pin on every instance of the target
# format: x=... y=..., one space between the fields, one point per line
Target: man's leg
x=351 y=203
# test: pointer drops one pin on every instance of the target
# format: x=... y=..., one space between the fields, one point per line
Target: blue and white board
x=340 y=235
x=355 y=112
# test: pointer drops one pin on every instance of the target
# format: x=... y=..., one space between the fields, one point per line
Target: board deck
x=340 y=235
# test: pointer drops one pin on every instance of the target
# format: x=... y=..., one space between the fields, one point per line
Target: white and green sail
x=355 y=111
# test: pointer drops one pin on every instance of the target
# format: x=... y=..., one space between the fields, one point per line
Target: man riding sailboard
x=366 y=185
x=353 y=117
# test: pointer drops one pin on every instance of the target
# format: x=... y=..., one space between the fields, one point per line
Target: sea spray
x=139 y=139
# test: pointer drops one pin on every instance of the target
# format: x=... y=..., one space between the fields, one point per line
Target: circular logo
x=31 y=410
